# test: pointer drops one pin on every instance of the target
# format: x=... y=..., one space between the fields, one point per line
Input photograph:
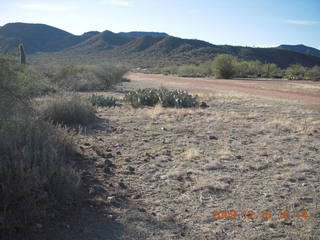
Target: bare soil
x=156 y=173
x=300 y=91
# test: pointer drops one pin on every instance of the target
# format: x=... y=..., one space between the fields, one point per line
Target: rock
x=113 y=200
x=142 y=210
x=109 y=155
x=112 y=217
x=122 y=185
x=131 y=169
x=118 y=153
x=167 y=218
x=136 y=196
x=213 y=138
x=109 y=164
x=204 y=105
x=107 y=170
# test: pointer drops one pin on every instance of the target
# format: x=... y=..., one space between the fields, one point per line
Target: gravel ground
x=156 y=173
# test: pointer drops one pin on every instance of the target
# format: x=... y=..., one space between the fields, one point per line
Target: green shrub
x=109 y=75
x=101 y=101
x=224 y=66
x=313 y=74
x=168 y=70
x=271 y=70
x=167 y=98
x=257 y=69
x=85 y=77
x=176 y=98
x=71 y=112
x=142 y=97
x=295 y=72
x=35 y=175
x=192 y=71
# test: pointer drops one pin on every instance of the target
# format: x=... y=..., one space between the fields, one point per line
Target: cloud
x=123 y=3
x=46 y=7
x=301 y=22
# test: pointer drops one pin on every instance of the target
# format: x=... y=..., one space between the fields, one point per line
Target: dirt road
x=299 y=91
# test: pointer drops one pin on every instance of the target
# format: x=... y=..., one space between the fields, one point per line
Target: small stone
x=164 y=129
x=86 y=144
x=204 y=105
x=213 y=138
x=130 y=169
x=112 y=199
x=167 y=218
x=136 y=196
x=109 y=155
x=163 y=177
x=142 y=210
x=118 y=153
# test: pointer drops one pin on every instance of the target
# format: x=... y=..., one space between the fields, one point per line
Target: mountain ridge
x=146 y=46
x=301 y=48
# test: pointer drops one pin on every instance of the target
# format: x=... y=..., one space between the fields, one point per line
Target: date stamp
x=256 y=214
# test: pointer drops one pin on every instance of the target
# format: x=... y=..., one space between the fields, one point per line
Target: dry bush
x=68 y=111
x=81 y=77
x=34 y=171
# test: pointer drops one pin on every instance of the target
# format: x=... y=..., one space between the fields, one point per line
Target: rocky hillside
x=142 y=47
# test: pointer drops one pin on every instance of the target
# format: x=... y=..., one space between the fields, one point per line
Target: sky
x=259 y=23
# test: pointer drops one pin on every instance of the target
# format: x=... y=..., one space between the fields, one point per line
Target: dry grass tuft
x=192 y=153
x=207 y=185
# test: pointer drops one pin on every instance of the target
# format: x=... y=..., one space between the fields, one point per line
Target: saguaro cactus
x=22 y=54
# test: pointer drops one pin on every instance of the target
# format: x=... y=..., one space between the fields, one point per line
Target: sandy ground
x=298 y=91
x=247 y=167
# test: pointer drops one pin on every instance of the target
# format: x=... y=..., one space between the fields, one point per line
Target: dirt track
x=300 y=91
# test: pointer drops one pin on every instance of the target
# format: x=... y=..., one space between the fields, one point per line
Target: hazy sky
x=234 y=22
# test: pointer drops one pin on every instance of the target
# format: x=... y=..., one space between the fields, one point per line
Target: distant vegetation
x=227 y=66
x=79 y=77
